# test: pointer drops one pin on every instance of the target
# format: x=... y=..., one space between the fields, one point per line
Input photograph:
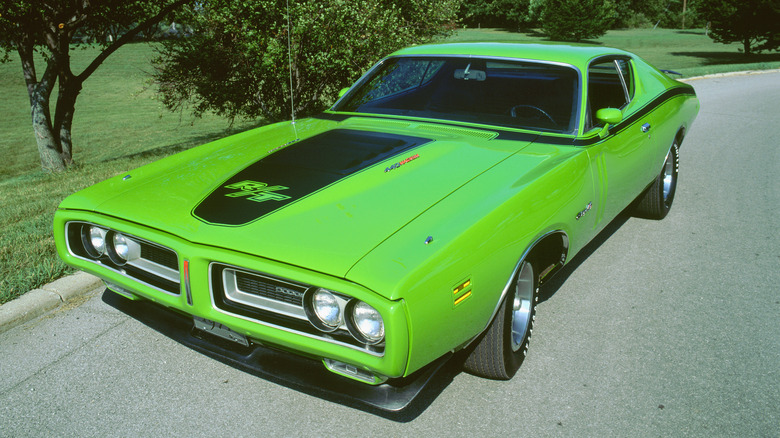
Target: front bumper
x=297 y=372
x=193 y=296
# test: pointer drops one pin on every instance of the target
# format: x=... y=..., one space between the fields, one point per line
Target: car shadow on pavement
x=400 y=400
x=555 y=283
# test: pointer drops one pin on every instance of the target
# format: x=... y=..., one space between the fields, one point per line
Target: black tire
x=656 y=201
x=501 y=350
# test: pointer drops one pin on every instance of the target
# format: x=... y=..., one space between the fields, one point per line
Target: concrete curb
x=51 y=296
x=731 y=73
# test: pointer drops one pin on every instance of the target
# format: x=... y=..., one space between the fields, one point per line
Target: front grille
x=272 y=300
x=161 y=256
x=268 y=288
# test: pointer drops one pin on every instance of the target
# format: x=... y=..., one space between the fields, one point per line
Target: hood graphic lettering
x=297 y=171
x=256 y=191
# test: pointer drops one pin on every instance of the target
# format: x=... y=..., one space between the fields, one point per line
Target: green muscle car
x=357 y=250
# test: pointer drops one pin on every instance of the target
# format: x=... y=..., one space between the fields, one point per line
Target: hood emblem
x=401 y=163
x=256 y=191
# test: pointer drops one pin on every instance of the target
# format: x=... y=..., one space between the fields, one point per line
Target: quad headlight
x=94 y=241
x=119 y=252
x=329 y=312
x=327 y=309
x=366 y=323
x=99 y=243
x=121 y=247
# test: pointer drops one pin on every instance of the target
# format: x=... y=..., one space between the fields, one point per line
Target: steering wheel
x=513 y=111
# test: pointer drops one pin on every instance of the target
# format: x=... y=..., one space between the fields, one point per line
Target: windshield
x=515 y=94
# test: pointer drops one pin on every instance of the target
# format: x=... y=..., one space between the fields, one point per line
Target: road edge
x=43 y=300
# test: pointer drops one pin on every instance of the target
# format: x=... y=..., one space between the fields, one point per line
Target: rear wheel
x=504 y=345
x=656 y=201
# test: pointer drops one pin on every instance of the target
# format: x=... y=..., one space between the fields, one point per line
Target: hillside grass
x=119 y=126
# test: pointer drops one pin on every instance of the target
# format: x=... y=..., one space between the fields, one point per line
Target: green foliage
x=47 y=28
x=511 y=14
x=237 y=65
x=576 y=20
x=754 y=23
x=633 y=14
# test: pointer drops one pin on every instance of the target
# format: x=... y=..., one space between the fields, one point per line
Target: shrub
x=576 y=20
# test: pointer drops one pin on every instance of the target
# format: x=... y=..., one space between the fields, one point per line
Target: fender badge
x=401 y=163
x=583 y=212
x=256 y=191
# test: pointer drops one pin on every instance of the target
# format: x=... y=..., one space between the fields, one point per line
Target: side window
x=610 y=85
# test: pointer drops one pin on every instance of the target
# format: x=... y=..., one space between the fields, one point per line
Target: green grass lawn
x=119 y=126
x=689 y=52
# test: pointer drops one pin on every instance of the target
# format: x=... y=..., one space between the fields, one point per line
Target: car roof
x=577 y=55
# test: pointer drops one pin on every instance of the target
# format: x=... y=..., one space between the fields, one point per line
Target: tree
x=512 y=14
x=754 y=23
x=576 y=20
x=47 y=28
x=237 y=64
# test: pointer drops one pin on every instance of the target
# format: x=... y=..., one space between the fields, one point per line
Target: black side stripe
x=647 y=109
x=545 y=138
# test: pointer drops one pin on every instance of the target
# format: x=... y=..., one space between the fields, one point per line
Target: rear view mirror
x=343 y=91
x=468 y=74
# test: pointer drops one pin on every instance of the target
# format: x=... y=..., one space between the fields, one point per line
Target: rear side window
x=610 y=85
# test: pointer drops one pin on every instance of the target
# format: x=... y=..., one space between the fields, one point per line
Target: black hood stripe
x=297 y=171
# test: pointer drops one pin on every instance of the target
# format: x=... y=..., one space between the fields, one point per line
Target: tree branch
x=127 y=38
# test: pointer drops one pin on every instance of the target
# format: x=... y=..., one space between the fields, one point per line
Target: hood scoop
x=297 y=171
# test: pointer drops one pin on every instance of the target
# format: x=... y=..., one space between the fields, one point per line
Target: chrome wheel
x=668 y=176
x=503 y=346
x=521 y=306
x=655 y=202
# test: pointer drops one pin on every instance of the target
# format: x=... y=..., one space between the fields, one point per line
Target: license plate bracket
x=220 y=331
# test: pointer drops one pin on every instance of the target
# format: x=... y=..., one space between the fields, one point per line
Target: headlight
x=367 y=324
x=94 y=240
x=327 y=310
x=120 y=246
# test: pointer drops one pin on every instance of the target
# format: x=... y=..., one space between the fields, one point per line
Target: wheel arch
x=547 y=253
x=680 y=135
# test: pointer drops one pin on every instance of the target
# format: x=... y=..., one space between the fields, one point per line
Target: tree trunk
x=69 y=89
x=746 y=45
x=48 y=147
x=39 y=92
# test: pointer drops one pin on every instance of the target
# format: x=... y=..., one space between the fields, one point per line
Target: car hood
x=321 y=202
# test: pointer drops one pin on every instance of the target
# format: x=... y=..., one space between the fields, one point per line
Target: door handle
x=645 y=127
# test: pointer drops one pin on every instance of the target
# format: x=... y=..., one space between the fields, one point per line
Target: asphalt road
x=668 y=328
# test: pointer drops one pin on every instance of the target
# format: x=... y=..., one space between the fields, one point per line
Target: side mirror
x=343 y=91
x=608 y=116
x=612 y=116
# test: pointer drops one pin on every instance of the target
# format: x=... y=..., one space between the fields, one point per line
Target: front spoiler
x=287 y=369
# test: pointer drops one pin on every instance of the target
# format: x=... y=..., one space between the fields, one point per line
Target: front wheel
x=656 y=201
x=502 y=348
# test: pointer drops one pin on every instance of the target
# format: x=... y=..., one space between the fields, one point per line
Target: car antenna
x=289 y=59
